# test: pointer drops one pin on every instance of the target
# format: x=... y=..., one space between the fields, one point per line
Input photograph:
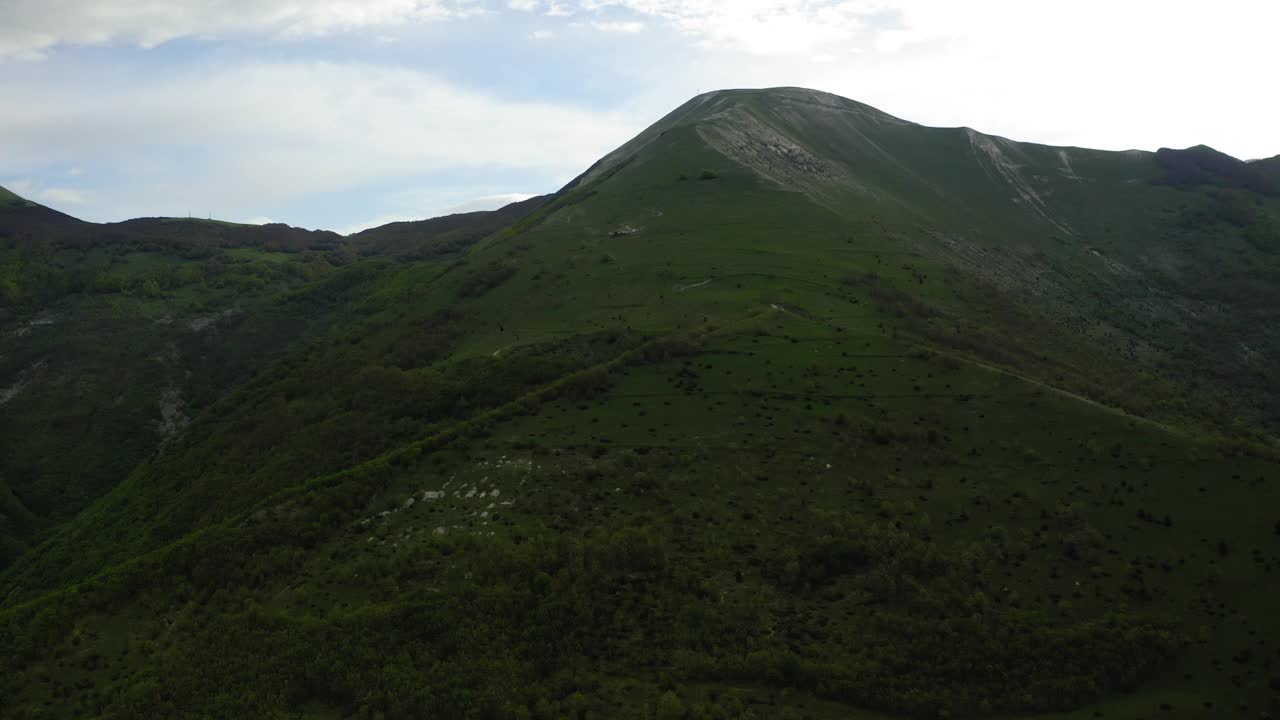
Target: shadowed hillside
x=423 y=239
x=112 y=336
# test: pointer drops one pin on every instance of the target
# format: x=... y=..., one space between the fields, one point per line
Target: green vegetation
x=10 y=199
x=935 y=425
x=111 y=339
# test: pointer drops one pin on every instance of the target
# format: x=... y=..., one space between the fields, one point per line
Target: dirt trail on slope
x=682 y=288
x=1060 y=391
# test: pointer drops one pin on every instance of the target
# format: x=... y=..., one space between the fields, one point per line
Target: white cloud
x=486 y=202
x=61 y=196
x=1094 y=73
x=377 y=221
x=24 y=187
x=541 y=35
x=627 y=28
x=260 y=220
x=30 y=28
x=255 y=136
x=38 y=192
x=550 y=8
x=760 y=27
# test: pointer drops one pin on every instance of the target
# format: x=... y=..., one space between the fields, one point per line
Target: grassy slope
x=773 y=453
x=1181 y=279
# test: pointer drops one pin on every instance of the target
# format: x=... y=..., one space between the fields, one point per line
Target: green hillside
x=787 y=408
x=8 y=198
x=113 y=336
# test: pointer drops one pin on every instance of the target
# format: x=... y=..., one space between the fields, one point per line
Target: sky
x=346 y=114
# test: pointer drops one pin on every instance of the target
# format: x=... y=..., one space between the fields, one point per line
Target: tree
x=670 y=707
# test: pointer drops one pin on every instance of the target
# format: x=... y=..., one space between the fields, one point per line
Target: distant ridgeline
x=785 y=408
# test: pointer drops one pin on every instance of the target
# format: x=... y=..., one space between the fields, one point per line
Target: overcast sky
x=343 y=114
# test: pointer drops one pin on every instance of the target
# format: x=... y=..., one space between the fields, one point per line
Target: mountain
x=9 y=198
x=420 y=239
x=1202 y=166
x=1269 y=168
x=24 y=218
x=113 y=335
x=785 y=408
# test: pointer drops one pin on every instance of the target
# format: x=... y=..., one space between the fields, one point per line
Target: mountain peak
x=777 y=98
x=757 y=112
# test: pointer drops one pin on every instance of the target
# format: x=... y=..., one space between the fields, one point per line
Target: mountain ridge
x=42 y=217
x=709 y=105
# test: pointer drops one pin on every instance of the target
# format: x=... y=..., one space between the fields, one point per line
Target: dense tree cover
x=105 y=353
x=155 y=319
x=871 y=611
x=313 y=414
x=34 y=272
x=505 y=629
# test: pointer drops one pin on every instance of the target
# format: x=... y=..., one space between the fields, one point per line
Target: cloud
x=486 y=202
x=376 y=221
x=260 y=220
x=629 y=27
x=38 y=192
x=258 y=135
x=61 y=196
x=759 y=27
x=541 y=35
x=1093 y=73
x=30 y=28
